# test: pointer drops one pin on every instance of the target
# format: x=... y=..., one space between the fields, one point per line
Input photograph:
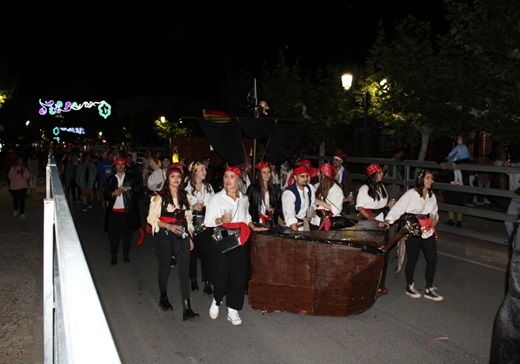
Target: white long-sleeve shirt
x=220 y=202
x=364 y=200
x=288 y=204
x=203 y=195
x=334 y=199
x=156 y=180
x=411 y=202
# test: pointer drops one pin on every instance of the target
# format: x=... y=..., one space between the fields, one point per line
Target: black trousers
x=414 y=246
x=230 y=275
x=202 y=251
x=19 y=199
x=118 y=230
x=164 y=245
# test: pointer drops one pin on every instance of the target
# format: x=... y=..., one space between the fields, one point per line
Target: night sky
x=90 y=51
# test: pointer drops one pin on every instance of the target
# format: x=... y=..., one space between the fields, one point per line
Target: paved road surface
x=396 y=329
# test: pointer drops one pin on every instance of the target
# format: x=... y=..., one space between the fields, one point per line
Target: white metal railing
x=75 y=328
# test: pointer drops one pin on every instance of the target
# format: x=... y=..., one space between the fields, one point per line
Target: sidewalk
x=21 y=279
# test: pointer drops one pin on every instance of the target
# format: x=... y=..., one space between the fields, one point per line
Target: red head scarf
x=313 y=172
x=120 y=160
x=328 y=170
x=306 y=163
x=173 y=170
x=261 y=165
x=300 y=169
x=235 y=170
x=373 y=168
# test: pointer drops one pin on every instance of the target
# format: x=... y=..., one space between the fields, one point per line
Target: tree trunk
x=425 y=138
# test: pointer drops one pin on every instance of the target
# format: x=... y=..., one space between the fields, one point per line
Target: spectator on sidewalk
x=18 y=184
x=9 y=161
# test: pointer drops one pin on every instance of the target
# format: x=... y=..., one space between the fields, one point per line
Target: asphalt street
x=396 y=328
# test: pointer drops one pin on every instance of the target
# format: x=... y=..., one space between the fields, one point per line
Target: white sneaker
x=412 y=292
x=213 y=310
x=234 y=317
x=15 y=213
x=22 y=216
x=431 y=294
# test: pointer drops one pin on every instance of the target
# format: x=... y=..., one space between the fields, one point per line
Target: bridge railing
x=75 y=328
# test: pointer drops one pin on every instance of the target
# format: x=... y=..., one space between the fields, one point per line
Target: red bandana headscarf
x=173 y=170
x=328 y=170
x=261 y=165
x=120 y=160
x=300 y=170
x=234 y=169
x=373 y=168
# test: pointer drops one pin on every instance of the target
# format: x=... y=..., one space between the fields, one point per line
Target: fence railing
x=75 y=328
x=357 y=167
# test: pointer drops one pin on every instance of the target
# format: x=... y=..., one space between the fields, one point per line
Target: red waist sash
x=244 y=230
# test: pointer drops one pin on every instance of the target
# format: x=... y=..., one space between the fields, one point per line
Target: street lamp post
x=164 y=121
x=346 y=82
x=365 y=126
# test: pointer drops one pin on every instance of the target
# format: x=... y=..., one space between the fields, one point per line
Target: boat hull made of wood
x=334 y=273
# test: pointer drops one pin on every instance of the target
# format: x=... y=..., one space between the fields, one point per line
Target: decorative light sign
x=58 y=107
x=56 y=131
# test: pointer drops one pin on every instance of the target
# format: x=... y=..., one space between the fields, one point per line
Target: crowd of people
x=185 y=207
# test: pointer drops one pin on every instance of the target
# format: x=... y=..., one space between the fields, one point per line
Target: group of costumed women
x=186 y=211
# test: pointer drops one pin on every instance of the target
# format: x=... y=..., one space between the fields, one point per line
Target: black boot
x=188 y=313
x=164 y=303
x=194 y=284
x=207 y=288
x=113 y=261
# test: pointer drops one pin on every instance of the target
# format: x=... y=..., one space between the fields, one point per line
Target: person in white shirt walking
x=421 y=209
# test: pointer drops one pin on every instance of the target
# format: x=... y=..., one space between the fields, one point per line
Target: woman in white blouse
x=372 y=199
x=329 y=195
x=200 y=192
x=229 y=208
x=171 y=220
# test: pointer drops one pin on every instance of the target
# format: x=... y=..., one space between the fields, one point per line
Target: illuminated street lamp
x=346 y=81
